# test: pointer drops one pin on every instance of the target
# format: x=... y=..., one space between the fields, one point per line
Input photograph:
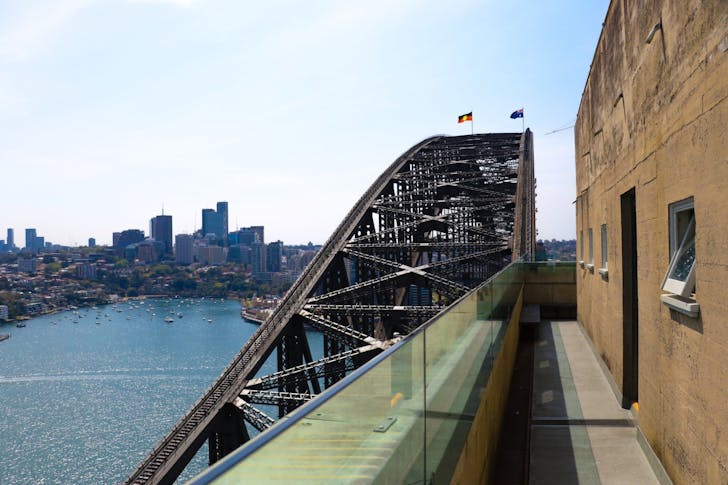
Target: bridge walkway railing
x=420 y=411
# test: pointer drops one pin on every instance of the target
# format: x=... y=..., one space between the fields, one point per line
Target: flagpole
x=472 y=122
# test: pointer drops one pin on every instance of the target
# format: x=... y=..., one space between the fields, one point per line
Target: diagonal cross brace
x=419 y=270
x=304 y=371
x=337 y=330
x=275 y=397
x=253 y=415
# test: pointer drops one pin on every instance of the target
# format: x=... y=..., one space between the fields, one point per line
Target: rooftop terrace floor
x=575 y=428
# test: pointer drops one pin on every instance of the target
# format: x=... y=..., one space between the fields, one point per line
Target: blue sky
x=288 y=110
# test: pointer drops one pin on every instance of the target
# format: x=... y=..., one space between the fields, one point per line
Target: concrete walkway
x=579 y=433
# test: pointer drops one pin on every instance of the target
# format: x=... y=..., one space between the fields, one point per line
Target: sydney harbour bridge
x=439 y=221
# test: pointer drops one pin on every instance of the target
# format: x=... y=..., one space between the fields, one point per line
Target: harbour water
x=85 y=395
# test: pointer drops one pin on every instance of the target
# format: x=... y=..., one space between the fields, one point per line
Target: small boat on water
x=179 y=315
x=4 y=336
x=20 y=324
x=168 y=319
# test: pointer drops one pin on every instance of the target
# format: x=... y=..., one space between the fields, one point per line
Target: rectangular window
x=591 y=246
x=680 y=277
x=604 y=246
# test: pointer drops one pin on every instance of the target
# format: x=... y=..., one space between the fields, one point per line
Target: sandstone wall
x=654 y=116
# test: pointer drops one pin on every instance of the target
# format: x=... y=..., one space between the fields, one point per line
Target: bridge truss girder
x=443 y=218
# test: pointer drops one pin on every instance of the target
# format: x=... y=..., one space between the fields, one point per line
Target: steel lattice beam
x=313 y=370
x=254 y=416
x=275 y=398
x=441 y=219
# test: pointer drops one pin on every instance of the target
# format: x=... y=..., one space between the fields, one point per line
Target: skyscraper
x=258 y=257
x=249 y=235
x=160 y=229
x=222 y=212
x=274 y=256
x=216 y=222
x=211 y=223
x=183 y=249
x=30 y=235
x=124 y=238
x=11 y=239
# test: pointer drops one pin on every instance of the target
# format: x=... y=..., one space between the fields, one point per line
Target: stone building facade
x=652 y=224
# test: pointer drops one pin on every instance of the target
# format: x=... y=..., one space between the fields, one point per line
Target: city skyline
x=162 y=223
x=287 y=111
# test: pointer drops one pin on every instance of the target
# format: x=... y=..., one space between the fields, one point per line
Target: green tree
x=15 y=305
x=161 y=269
x=52 y=268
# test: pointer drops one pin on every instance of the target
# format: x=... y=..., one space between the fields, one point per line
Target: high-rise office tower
x=216 y=222
x=222 y=212
x=211 y=223
x=249 y=235
x=246 y=236
x=160 y=229
x=275 y=256
x=30 y=235
x=11 y=239
x=124 y=238
x=208 y=216
x=91 y=242
x=258 y=257
x=183 y=249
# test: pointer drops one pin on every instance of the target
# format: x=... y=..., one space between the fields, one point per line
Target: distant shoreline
x=124 y=299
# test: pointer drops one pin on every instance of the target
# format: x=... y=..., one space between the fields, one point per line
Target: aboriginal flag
x=465 y=117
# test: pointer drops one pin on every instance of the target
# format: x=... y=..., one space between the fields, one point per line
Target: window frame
x=679 y=246
x=674 y=209
x=604 y=241
x=590 y=234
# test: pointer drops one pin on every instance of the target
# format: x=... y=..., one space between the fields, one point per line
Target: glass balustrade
x=405 y=415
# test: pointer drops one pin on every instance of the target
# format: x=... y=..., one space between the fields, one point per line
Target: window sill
x=590 y=267
x=604 y=272
x=686 y=306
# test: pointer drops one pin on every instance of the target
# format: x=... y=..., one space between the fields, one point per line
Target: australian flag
x=517 y=114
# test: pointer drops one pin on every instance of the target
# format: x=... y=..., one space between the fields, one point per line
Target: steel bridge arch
x=440 y=220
